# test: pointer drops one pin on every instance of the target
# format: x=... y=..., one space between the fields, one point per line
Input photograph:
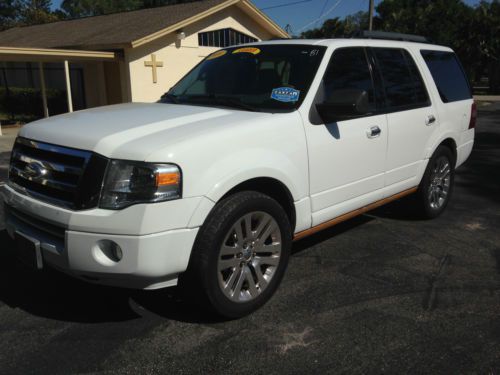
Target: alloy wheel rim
x=249 y=256
x=440 y=179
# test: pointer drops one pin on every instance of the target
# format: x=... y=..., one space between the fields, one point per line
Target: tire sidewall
x=424 y=186
x=209 y=274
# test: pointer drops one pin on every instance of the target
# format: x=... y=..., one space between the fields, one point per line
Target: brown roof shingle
x=112 y=29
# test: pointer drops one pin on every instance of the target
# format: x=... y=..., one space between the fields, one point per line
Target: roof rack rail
x=391 y=36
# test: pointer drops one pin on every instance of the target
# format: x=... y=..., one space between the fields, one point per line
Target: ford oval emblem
x=35 y=170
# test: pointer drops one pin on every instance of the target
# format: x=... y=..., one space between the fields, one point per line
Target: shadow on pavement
x=481 y=173
x=326 y=234
x=54 y=295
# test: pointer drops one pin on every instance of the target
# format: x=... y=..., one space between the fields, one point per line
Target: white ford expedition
x=257 y=146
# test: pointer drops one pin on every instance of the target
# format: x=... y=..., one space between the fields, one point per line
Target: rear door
x=411 y=118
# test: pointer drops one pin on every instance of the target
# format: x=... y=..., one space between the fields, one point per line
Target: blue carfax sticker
x=285 y=94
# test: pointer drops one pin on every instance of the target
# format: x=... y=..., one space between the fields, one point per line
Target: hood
x=135 y=130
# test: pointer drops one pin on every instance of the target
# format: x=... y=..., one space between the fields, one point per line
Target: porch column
x=68 y=86
x=43 y=89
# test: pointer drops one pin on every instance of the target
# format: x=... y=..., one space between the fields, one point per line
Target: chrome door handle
x=373 y=132
x=430 y=120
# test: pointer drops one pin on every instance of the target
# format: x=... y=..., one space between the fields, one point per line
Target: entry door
x=411 y=118
x=347 y=158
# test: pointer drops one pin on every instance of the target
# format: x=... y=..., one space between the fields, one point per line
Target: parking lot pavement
x=383 y=293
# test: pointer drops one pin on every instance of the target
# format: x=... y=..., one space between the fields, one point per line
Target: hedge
x=26 y=103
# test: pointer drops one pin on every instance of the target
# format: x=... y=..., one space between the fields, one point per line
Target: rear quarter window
x=448 y=75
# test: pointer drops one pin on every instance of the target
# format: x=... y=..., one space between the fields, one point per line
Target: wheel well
x=450 y=143
x=273 y=188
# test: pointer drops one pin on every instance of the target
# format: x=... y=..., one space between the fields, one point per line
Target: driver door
x=346 y=158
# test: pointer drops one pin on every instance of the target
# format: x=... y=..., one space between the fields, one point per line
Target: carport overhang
x=41 y=55
x=52 y=55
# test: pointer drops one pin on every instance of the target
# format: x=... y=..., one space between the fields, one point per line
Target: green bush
x=25 y=104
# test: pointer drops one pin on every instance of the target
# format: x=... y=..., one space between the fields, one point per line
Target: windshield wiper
x=227 y=101
x=173 y=98
x=235 y=102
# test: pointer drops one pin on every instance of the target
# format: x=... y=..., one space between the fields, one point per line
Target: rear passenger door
x=411 y=118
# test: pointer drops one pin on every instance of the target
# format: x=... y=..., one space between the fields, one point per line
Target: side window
x=403 y=84
x=348 y=69
x=448 y=75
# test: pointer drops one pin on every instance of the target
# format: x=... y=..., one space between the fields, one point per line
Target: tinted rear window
x=449 y=76
x=404 y=87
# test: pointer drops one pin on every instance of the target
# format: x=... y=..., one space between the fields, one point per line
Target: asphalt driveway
x=383 y=293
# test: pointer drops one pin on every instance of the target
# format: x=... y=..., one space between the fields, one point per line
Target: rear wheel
x=436 y=186
x=240 y=254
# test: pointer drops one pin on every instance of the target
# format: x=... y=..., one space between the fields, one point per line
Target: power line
x=286 y=5
x=322 y=10
x=322 y=16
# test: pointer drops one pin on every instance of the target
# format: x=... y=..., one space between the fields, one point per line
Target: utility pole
x=370 y=12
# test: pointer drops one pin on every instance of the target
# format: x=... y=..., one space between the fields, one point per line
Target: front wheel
x=436 y=186
x=240 y=254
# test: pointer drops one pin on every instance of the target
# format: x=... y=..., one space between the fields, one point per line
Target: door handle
x=430 y=120
x=373 y=132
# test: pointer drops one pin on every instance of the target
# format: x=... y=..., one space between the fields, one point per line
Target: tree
x=486 y=26
x=332 y=28
x=34 y=12
x=85 y=8
x=158 y=3
x=9 y=13
x=337 y=28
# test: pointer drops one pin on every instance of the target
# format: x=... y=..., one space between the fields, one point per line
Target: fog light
x=108 y=252
x=117 y=252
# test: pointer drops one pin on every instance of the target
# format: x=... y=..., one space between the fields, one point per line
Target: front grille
x=62 y=176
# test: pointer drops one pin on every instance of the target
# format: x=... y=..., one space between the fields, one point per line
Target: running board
x=352 y=214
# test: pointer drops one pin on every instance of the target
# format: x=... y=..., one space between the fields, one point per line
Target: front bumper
x=150 y=260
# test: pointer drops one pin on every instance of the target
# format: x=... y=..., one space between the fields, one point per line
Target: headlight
x=127 y=183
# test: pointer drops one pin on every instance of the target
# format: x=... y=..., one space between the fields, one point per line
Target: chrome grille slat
x=45 y=181
x=17 y=155
x=53 y=148
x=52 y=173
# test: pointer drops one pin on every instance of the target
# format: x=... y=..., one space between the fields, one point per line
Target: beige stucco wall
x=179 y=57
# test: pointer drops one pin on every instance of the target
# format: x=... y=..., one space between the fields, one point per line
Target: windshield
x=270 y=78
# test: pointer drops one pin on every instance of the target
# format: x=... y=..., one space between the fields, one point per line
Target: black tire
x=200 y=283
x=424 y=204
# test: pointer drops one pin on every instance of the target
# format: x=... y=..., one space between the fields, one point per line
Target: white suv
x=256 y=147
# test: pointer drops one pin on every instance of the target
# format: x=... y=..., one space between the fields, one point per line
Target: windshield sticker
x=216 y=55
x=285 y=94
x=252 y=50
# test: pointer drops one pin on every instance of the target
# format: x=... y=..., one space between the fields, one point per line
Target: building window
x=224 y=38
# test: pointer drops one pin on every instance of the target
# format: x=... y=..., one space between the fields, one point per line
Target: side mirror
x=344 y=105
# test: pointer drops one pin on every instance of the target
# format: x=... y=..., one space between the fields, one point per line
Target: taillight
x=473 y=116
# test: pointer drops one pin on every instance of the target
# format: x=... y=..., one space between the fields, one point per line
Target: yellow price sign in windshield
x=252 y=50
x=216 y=55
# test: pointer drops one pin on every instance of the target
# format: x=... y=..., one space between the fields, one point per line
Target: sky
x=302 y=16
